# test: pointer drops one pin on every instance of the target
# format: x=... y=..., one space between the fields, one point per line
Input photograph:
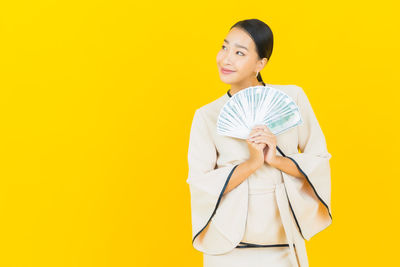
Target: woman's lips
x=225 y=71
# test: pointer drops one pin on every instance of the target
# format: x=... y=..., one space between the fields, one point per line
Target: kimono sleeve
x=218 y=220
x=310 y=198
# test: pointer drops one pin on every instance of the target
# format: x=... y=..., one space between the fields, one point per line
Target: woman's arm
x=245 y=169
x=286 y=165
x=241 y=173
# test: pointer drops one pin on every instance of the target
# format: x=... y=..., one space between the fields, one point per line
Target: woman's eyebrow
x=238 y=45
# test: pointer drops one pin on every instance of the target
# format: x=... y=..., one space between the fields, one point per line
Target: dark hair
x=261 y=35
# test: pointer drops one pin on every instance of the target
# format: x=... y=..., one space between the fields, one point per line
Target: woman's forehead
x=237 y=37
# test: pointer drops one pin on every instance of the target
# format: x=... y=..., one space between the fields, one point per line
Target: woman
x=255 y=202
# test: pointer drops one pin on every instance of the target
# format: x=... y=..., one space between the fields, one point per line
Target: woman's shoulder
x=213 y=108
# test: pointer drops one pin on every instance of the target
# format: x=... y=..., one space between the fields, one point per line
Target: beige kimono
x=271 y=211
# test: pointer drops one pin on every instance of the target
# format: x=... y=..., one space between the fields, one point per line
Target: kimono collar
x=229 y=94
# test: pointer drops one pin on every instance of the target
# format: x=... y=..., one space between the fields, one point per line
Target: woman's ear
x=261 y=64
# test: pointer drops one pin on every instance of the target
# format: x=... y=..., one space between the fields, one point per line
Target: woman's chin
x=226 y=80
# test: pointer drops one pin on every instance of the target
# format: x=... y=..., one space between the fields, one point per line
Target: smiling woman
x=251 y=207
x=244 y=53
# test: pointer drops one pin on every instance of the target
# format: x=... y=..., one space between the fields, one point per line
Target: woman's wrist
x=252 y=166
x=276 y=162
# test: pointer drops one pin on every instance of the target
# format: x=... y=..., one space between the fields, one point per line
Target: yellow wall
x=96 y=102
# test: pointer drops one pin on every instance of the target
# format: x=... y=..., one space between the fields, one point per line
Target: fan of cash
x=258 y=105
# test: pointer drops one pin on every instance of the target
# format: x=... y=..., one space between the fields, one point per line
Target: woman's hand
x=256 y=151
x=262 y=135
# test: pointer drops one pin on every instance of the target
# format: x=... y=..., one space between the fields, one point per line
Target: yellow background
x=97 y=99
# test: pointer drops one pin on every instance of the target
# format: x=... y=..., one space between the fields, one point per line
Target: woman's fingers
x=260 y=139
x=258 y=129
x=258 y=146
x=262 y=127
x=260 y=134
x=256 y=132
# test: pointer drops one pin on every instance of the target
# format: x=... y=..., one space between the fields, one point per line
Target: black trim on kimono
x=312 y=186
x=219 y=199
x=251 y=245
x=229 y=94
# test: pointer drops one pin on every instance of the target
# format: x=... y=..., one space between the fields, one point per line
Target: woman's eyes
x=238 y=51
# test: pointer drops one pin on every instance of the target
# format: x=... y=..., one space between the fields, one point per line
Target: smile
x=225 y=71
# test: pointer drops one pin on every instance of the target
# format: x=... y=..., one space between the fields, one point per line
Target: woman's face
x=239 y=57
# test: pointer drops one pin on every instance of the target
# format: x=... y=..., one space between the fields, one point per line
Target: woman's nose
x=227 y=59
